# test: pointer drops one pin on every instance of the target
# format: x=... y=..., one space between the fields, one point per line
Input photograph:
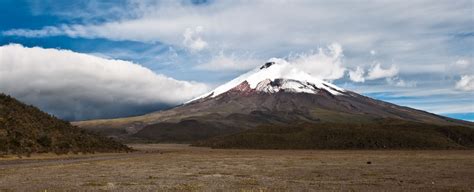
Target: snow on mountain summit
x=274 y=76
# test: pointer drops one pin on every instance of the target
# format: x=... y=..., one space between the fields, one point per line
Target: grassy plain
x=177 y=167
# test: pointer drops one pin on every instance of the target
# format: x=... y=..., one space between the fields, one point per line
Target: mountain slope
x=25 y=129
x=276 y=94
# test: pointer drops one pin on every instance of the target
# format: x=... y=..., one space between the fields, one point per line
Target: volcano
x=278 y=99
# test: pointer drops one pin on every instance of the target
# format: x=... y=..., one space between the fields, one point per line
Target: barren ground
x=173 y=167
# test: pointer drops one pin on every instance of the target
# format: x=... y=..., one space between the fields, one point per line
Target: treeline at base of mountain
x=25 y=129
x=382 y=134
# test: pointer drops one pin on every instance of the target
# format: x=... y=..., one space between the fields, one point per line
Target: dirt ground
x=174 y=167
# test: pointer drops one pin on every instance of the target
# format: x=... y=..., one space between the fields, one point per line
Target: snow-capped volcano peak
x=274 y=76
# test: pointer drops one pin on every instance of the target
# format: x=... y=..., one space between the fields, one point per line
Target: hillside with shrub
x=25 y=129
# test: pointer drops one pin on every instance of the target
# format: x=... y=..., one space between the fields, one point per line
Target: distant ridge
x=25 y=129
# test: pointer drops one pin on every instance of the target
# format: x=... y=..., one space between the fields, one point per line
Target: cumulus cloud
x=325 y=64
x=80 y=86
x=193 y=40
x=466 y=83
x=377 y=72
x=357 y=75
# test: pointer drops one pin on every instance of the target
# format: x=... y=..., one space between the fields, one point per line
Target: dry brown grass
x=171 y=167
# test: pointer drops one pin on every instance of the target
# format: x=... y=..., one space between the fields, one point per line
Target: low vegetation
x=380 y=134
x=25 y=129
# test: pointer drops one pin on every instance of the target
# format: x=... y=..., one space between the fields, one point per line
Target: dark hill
x=380 y=134
x=25 y=129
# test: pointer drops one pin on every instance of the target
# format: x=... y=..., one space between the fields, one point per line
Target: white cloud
x=223 y=62
x=325 y=64
x=46 y=31
x=75 y=85
x=357 y=75
x=463 y=66
x=462 y=62
x=377 y=72
x=455 y=69
x=193 y=40
x=396 y=81
x=373 y=52
x=242 y=25
x=466 y=83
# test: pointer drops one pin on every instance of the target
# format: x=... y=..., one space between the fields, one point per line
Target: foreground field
x=172 y=167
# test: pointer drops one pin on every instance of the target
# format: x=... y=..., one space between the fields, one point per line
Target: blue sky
x=412 y=53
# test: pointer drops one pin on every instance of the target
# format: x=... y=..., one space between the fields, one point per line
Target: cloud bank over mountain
x=81 y=86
